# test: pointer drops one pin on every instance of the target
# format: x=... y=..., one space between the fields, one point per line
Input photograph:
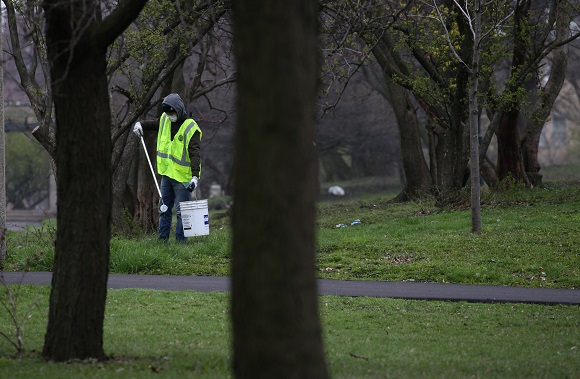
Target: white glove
x=192 y=184
x=138 y=130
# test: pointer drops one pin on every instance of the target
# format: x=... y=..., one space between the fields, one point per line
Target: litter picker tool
x=163 y=207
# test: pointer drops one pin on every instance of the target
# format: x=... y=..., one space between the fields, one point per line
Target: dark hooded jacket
x=175 y=102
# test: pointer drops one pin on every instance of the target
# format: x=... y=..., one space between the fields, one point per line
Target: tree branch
x=112 y=26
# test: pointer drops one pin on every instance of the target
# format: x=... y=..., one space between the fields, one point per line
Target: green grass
x=206 y=255
x=533 y=244
x=186 y=334
x=530 y=238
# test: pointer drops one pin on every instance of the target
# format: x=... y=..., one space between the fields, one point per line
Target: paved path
x=399 y=290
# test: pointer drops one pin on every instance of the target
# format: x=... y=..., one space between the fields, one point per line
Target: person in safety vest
x=178 y=159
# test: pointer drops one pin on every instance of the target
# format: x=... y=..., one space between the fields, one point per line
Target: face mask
x=173 y=118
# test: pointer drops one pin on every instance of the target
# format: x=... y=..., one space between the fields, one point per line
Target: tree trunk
x=449 y=135
x=76 y=49
x=474 y=124
x=452 y=150
x=545 y=102
x=509 y=152
x=418 y=178
x=2 y=162
x=276 y=325
x=451 y=153
x=84 y=201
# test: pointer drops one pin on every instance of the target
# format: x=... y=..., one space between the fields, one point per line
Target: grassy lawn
x=530 y=238
x=185 y=334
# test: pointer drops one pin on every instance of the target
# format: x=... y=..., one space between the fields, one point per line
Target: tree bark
x=276 y=325
x=418 y=178
x=76 y=49
x=474 y=123
x=509 y=158
x=2 y=161
x=509 y=152
x=452 y=149
x=84 y=202
x=449 y=135
x=545 y=102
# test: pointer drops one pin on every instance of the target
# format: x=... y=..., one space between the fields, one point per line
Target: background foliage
x=27 y=171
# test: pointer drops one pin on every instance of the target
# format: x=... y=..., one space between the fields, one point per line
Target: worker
x=178 y=160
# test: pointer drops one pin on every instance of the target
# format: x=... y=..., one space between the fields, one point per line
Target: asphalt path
x=355 y=288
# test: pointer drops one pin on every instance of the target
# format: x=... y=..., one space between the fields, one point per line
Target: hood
x=175 y=102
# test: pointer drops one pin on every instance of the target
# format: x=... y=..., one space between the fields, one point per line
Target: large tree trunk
x=76 y=49
x=509 y=158
x=418 y=178
x=545 y=102
x=509 y=153
x=452 y=151
x=2 y=164
x=451 y=154
x=276 y=325
x=84 y=198
x=449 y=136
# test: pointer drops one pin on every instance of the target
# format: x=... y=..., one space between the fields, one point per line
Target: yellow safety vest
x=172 y=155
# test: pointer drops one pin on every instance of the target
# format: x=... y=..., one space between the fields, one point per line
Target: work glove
x=138 y=130
x=192 y=184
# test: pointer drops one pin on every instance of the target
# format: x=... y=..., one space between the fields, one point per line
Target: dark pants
x=172 y=193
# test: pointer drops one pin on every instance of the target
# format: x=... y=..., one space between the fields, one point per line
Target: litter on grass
x=336 y=191
x=355 y=222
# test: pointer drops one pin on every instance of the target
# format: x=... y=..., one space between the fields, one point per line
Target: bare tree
x=523 y=38
x=139 y=63
x=33 y=72
x=276 y=325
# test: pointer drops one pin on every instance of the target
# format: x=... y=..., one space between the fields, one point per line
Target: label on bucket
x=195 y=218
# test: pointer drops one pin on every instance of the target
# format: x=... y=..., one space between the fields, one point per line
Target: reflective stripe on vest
x=167 y=149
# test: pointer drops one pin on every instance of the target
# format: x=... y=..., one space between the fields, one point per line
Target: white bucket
x=195 y=218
